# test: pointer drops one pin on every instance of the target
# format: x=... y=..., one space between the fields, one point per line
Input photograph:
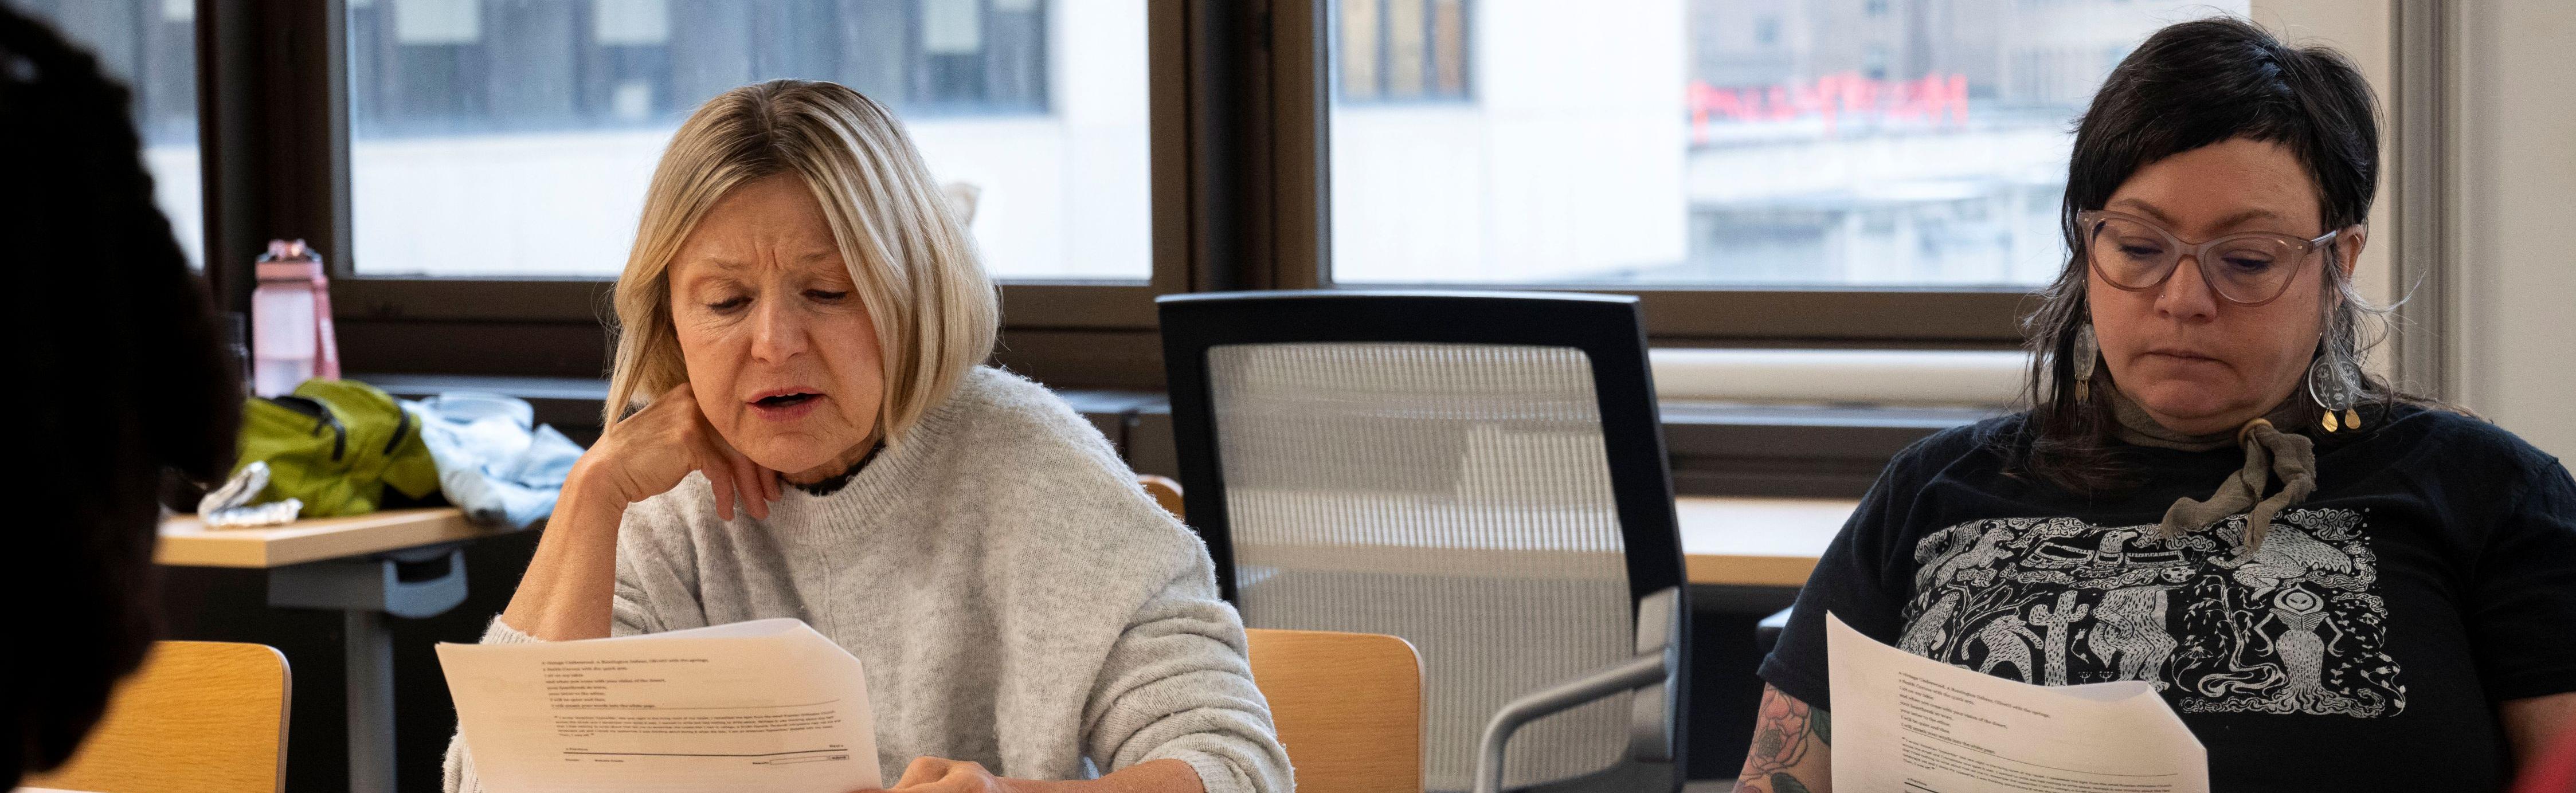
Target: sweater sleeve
x=1177 y=684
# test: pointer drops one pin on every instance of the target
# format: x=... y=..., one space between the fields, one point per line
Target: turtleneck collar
x=2270 y=452
x=2137 y=428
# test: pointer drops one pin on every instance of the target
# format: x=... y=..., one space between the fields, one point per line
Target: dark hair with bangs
x=2191 y=85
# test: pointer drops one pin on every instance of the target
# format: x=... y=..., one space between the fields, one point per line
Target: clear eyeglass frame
x=2200 y=253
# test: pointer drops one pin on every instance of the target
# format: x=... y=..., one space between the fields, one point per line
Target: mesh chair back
x=1450 y=494
x=1456 y=494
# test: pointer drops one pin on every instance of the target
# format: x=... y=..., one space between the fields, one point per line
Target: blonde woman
x=806 y=318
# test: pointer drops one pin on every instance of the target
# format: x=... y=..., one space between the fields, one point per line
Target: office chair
x=1481 y=474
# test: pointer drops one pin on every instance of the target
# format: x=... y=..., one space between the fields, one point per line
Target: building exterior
x=1735 y=142
x=516 y=137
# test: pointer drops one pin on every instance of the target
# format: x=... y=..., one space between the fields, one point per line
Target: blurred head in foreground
x=120 y=376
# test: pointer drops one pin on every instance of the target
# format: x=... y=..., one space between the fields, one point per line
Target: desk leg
x=370 y=660
x=414 y=583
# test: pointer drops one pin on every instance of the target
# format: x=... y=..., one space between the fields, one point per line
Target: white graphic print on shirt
x=2292 y=627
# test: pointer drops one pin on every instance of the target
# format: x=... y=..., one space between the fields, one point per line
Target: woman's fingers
x=751 y=488
x=675 y=430
x=923 y=770
x=752 y=493
x=942 y=775
x=763 y=483
x=720 y=478
x=712 y=457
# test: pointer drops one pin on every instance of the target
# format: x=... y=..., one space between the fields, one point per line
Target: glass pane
x=151 y=46
x=516 y=137
x=1714 y=143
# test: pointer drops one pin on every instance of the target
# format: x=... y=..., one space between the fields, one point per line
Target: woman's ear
x=2348 y=247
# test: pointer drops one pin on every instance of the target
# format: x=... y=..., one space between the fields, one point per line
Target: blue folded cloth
x=493 y=460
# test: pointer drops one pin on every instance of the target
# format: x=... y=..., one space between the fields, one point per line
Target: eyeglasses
x=2249 y=269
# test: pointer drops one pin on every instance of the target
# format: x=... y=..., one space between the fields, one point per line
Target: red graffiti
x=1934 y=99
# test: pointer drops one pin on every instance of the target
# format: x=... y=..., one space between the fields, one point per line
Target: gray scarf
x=2269 y=452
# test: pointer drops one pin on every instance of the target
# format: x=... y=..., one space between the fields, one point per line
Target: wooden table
x=1769 y=542
x=186 y=542
x=404 y=562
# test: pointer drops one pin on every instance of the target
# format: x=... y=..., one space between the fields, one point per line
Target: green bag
x=335 y=444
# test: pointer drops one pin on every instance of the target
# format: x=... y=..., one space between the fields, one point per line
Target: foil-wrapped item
x=229 y=507
x=270 y=514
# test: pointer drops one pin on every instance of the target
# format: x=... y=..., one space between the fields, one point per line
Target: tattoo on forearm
x=1786 y=731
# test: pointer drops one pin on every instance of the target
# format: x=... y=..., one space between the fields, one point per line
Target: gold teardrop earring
x=2335 y=384
x=2085 y=354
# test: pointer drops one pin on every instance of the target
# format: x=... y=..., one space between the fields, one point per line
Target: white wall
x=2516 y=170
x=2361 y=29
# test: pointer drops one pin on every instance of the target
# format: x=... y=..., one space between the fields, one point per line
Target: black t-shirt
x=2363 y=647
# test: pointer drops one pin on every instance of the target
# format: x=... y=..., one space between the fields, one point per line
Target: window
x=515 y=138
x=151 y=46
x=1724 y=144
x=1398 y=50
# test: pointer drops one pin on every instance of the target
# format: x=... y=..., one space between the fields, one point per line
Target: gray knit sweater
x=1016 y=599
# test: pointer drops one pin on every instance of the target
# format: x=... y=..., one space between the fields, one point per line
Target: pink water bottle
x=291 y=337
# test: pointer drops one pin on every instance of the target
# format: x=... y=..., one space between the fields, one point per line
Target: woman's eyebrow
x=2231 y=221
x=2240 y=218
x=2148 y=209
x=719 y=262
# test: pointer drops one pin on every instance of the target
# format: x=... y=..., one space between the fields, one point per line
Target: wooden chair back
x=1165 y=492
x=198 y=717
x=1348 y=707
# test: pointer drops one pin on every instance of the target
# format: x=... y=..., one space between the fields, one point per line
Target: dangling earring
x=2085 y=355
x=2335 y=384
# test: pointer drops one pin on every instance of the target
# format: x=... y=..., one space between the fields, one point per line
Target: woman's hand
x=942 y=775
x=648 y=453
x=566 y=592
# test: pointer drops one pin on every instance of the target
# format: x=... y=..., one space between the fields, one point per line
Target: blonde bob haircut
x=914 y=267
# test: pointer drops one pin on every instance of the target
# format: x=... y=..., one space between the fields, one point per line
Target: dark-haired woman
x=2337 y=587
x=112 y=342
